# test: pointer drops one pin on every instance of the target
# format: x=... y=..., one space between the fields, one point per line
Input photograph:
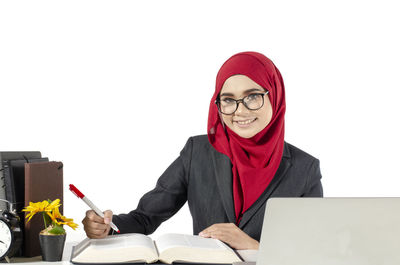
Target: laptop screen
x=324 y=231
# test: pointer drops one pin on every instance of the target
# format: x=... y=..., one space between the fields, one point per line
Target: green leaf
x=57 y=230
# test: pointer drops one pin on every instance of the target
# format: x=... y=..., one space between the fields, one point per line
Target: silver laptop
x=331 y=231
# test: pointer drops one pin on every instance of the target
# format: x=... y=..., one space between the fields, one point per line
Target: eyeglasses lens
x=252 y=102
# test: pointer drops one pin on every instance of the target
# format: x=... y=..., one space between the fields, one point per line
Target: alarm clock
x=10 y=234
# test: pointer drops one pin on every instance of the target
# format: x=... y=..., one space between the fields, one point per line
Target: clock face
x=5 y=238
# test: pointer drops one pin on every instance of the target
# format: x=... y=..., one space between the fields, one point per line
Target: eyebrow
x=245 y=92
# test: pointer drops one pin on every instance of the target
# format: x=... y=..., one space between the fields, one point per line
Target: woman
x=227 y=175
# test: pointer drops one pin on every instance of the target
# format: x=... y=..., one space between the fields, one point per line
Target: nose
x=241 y=108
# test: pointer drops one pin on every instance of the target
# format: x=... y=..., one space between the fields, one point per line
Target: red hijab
x=255 y=160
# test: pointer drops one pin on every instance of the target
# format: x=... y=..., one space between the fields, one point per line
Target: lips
x=245 y=123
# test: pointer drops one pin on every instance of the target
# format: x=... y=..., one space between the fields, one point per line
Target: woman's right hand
x=96 y=226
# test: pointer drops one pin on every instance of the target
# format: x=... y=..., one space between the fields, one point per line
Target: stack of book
x=28 y=177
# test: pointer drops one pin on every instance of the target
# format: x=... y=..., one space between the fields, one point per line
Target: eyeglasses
x=228 y=106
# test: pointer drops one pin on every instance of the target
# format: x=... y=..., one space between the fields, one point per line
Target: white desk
x=247 y=255
x=36 y=260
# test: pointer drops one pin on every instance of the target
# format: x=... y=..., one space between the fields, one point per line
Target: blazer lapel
x=279 y=175
x=223 y=173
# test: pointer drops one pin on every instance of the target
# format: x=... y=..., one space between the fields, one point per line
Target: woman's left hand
x=230 y=234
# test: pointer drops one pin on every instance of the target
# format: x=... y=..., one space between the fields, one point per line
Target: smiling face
x=244 y=122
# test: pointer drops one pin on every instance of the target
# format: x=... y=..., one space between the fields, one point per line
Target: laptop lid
x=325 y=231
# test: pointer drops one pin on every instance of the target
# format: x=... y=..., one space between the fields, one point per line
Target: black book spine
x=8 y=181
x=3 y=204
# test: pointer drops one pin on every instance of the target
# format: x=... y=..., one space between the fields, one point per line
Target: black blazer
x=203 y=177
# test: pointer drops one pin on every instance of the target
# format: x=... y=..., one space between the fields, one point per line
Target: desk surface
x=247 y=255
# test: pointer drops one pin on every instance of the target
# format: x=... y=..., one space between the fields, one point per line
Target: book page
x=116 y=248
x=188 y=248
x=179 y=240
x=122 y=241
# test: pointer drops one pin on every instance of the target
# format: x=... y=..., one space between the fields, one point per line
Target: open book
x=168 y=248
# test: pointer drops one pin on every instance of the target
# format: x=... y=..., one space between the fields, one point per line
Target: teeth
x=245 y=122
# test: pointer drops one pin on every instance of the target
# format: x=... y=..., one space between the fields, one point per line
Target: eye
x=227 y=100
x=253 y=96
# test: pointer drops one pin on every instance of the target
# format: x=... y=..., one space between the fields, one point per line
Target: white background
x=113 y=89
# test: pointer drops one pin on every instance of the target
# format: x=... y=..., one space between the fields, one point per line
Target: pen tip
x=118 y=232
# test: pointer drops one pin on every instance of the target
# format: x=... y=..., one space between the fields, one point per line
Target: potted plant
x=52 y=237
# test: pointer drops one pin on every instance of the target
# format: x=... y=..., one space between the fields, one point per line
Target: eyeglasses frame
x=217 y=102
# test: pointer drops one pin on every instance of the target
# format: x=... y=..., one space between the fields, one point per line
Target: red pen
x=79 y=194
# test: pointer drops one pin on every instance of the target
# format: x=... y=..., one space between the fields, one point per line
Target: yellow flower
x=38 y=207
x=53 y=205
x=34 y=208
x=50 y=208
x=59 y=219
x=70 y=223
x=54 y=215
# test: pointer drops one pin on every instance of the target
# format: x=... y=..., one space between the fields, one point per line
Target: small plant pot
x=52 y=246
